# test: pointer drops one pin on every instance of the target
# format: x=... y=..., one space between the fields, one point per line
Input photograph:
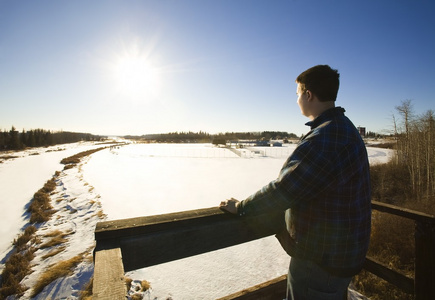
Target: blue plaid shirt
x=326 y=184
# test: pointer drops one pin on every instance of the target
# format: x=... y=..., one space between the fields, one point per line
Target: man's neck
x=320 y=108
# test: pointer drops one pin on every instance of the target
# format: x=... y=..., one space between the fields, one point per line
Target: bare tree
x=416 y=148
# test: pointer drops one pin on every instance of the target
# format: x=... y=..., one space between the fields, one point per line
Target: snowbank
x=20 y=178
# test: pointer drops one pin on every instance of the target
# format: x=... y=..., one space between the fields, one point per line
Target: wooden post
x=109 y=280
x=424 y=260
x=269 y=290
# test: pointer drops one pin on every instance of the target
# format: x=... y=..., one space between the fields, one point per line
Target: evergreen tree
x=23 y=139
x=14 y=141
x=2 y=140
x=31 y=139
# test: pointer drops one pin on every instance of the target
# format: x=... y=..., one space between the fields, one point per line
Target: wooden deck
x=130 y=244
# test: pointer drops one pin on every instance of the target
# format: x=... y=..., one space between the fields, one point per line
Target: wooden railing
x=130 y=244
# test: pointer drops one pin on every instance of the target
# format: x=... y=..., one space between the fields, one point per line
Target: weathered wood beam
x=148 y=241
x=109 y=283
x=143 y=225
x=403 y=212
x=269 y=290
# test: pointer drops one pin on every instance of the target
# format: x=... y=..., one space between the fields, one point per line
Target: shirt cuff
x=240 y=211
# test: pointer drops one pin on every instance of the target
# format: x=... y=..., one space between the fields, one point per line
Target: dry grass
x=57 y=238
x=59 y=270
x=54 y=233
x=138 y=289
x=392 y=237
x=75 y=159
x=128 y=282
x=145 y=285
x=86 y=293
x=5 y=157
x=53 y=242
x=137 y=296
x=22 y=240
x=390 y=183
x=53 y=252
x=16 y=268
x=100 y=214
x=67 y=167
x=40 y=208
x=49 y=186
x=376 y=288
x=392 y=243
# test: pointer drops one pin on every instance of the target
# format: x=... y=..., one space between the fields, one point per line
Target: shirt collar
x=326 y=115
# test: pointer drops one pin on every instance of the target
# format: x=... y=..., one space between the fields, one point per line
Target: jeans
x=307 y=281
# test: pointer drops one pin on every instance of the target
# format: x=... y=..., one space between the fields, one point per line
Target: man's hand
x=230 y=205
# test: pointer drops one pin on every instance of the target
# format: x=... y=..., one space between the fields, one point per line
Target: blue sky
x=136 y=67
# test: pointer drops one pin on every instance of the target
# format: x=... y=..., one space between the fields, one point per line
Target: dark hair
x=321 y=80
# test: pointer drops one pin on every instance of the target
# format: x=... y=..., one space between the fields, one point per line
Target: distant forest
x=15 y=140
x=204 y=137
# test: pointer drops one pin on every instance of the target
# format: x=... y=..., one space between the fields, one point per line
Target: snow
x=20 y=178
x=139 y=180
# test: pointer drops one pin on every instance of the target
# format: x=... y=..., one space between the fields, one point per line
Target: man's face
x=302 y=100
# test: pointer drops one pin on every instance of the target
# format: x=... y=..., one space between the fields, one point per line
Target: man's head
x=320 y=80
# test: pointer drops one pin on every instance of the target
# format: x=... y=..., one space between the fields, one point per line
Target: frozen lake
x=148 y=179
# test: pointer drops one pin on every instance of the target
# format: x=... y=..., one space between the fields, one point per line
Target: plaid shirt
x=326 y=184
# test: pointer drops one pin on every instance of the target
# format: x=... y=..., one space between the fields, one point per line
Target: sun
x=135 y=75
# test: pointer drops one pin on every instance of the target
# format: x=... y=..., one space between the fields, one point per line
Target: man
x=324 y=187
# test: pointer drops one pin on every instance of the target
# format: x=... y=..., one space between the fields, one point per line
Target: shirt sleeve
x=309 y=172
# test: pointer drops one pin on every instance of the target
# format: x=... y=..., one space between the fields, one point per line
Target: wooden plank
x=403 y=212
x=135 y=226
x=270 y=290
x=401 y=281
x=109 y=280
x=185 y=238
x=143 y=225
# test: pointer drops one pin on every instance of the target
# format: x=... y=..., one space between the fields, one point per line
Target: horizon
x=149 y=67
x=127 y=136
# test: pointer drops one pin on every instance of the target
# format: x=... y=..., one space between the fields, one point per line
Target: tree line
x=15 y=140
x=204 y=137
x=416 y=148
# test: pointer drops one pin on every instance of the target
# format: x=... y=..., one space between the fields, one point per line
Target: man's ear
x=309 y=95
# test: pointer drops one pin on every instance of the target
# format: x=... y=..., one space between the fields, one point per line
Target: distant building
x=362 y=130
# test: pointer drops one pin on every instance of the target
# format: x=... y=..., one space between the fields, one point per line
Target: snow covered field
x=147 y=179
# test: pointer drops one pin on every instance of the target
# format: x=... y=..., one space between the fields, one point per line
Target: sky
x=156 y=66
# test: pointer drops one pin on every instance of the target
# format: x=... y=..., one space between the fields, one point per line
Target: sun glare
x=135 y=76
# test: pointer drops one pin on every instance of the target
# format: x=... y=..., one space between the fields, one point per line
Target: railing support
x=424 y=260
